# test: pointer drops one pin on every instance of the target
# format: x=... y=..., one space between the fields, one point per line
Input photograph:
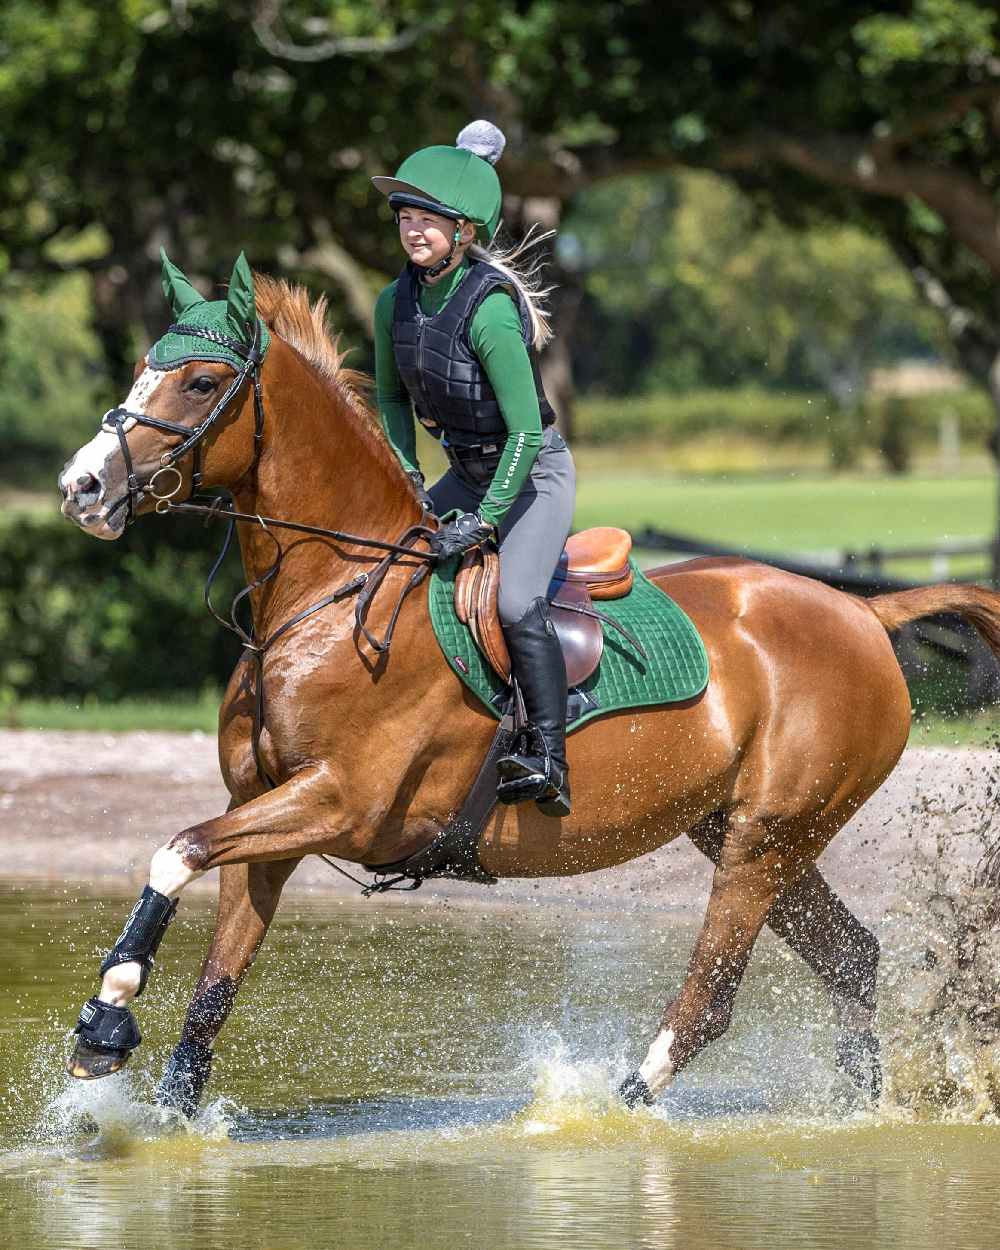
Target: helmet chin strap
x=433 y=270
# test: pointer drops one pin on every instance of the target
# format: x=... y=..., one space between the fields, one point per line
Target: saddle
x=593 y=566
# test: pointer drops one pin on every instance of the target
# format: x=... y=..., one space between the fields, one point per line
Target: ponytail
x=525 y=277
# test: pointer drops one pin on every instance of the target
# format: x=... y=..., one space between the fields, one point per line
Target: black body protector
x=114 y=1030
x=438 y=366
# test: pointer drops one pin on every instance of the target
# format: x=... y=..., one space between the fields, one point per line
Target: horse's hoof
x=185 y=1078
x=858 y=1059
x=634 y=1090
x=105 y=1037
x=87 y=1064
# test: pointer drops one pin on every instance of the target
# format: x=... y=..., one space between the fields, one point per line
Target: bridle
x=116 y=419
x=365 y=585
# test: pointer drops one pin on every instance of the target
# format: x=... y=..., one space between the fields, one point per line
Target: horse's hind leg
x=844 y=955
x=818 y=926
x=756 y=863
x=248 y=899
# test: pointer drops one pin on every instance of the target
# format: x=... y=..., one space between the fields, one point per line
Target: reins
x=365 y=586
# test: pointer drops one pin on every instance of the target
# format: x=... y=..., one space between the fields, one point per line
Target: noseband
x=116 y=418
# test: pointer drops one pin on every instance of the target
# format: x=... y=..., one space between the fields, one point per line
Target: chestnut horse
x=804 y=717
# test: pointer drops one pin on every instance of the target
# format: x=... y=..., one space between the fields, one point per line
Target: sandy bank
x=86 y=807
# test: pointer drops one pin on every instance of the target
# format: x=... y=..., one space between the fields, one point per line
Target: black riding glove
x=465 y=532
x=417 y=478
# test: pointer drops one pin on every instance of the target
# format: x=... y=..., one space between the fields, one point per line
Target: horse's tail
x=978 y=606
x=975 y=604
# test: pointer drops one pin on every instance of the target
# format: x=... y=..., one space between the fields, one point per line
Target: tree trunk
x=994 y=389
x=556 y=364
x=556 y=361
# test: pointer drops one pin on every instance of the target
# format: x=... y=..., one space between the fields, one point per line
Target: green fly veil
x=221 y=322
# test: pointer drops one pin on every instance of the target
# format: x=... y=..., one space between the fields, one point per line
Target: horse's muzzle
x=84 y=487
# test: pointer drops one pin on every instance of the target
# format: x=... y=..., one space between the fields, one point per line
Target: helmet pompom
x=484 y=139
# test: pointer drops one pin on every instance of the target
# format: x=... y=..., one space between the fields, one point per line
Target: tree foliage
x=690 y=284
x=207 y=124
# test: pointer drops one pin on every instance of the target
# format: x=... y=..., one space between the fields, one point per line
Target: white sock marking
x=657 y=1069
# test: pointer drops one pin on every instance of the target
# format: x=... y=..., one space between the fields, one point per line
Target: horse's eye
x=202 y=385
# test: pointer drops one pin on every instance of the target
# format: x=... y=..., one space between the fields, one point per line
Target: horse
x=365 y=755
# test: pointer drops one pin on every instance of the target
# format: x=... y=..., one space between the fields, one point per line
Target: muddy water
x=404 y=1076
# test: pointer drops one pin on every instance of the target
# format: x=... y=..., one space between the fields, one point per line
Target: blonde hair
x=525 y=277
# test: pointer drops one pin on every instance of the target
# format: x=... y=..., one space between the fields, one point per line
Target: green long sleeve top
x=496 y=338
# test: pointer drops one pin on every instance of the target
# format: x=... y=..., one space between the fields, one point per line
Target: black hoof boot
x=536 y=766
x=634 y=1090
x=185 y=1078
x=106 y=1037
x=858 y=1058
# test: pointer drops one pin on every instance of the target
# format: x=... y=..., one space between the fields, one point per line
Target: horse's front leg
x=248 y=899
x=283 y=824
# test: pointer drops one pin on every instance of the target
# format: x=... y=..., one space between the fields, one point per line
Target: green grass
x=800 y=514
x=980 y=729
x=199 y=712
x=795 y=515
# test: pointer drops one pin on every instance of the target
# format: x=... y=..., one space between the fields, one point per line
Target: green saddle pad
x=676 y=667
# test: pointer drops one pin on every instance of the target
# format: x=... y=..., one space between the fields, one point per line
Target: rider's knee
x=512 y=603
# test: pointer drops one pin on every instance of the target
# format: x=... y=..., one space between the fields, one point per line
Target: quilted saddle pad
x=676 y=667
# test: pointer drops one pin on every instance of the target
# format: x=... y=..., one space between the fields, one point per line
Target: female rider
x=455 y=336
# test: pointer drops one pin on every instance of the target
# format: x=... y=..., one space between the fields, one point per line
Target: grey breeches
x=534 y=531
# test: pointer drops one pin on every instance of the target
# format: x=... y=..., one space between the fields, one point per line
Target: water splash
x=940 y=1020
x=567 y=1093
x=118 y=1116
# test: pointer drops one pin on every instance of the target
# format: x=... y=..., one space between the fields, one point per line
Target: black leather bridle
x=116 y=418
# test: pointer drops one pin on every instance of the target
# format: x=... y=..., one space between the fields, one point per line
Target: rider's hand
x=417 y=478
x=465 y=532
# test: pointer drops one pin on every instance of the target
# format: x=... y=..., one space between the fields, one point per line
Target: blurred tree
x=206 y=123
x=722 y=290
x=52 y=378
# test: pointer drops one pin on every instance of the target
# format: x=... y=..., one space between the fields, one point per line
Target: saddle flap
x=476 y=606
x=581 y=637
x=467 y=584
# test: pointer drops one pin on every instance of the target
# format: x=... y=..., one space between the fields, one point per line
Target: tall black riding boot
x=536 y=767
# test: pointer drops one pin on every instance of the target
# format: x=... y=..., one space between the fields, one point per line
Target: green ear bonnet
x=233 y=318
x=457 y=181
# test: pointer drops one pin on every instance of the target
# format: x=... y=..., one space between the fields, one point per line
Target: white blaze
x=90 y=460
x=93 y=457
x=657 y=1069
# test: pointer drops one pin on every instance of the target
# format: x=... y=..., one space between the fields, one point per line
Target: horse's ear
x=176 y=287
x=241 y=306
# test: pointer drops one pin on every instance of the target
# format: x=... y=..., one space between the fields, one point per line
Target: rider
x=455 y=337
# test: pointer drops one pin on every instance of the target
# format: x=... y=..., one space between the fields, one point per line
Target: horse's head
x=193 y=411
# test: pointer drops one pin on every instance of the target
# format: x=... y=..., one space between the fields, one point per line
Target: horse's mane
x=303 y=324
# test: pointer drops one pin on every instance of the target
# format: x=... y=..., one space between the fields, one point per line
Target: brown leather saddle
x=593 y=566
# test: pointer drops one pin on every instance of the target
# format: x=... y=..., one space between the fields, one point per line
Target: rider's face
x=427 y=237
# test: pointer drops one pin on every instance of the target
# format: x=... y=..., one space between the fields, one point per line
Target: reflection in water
x=411 y=1077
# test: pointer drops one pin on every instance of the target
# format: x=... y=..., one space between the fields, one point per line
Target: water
x=423 y=1076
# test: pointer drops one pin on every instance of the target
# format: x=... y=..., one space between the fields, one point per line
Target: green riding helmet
x=458 y=182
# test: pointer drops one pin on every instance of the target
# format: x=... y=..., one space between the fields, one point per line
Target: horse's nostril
x=87 y=489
